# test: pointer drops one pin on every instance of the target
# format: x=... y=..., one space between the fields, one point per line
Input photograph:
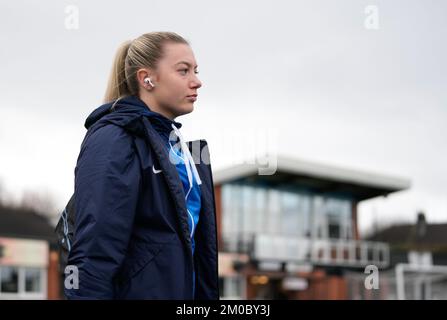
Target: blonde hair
x=143 y=52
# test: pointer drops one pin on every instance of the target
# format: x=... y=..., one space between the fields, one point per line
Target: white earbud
x=148 y=81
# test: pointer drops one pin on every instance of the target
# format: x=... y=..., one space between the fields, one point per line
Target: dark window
x=32 y=280
x=334 y=230
x=9 y=280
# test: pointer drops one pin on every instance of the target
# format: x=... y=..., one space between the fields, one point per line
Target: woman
x=145 y=211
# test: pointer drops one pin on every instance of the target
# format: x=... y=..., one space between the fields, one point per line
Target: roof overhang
x=319 y=177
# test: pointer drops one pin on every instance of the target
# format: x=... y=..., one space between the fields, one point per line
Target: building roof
x=25 y=224
x=407 y=237
x=319 y=177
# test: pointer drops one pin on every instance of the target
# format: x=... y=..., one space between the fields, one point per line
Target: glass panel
x=304 y=215
x=338 y=213
x=347 y=213
x=319 y=223
x=289 y=213
x=33 y=280
x=261 y=212
x=333 y=217
x=238 y=209
x=248 y=206
x=226 y=212
x=9 y=280
x=274 y=209
x=231 y=215
x=334 y=229
x=227 y=225
x=240 y=218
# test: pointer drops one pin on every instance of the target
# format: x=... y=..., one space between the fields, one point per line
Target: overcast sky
x=337 y=82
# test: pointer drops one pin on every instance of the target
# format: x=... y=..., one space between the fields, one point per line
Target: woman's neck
x=155 y=107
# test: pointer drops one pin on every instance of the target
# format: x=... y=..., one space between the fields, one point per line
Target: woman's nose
x=197 y=83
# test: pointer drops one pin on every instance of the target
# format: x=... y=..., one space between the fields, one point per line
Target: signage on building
x=32 y=253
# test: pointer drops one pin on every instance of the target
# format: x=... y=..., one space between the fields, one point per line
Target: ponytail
x=117 y=86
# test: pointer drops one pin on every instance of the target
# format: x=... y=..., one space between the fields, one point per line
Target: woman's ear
x=145 y=79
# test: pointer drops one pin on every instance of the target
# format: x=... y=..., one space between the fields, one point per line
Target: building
x=28 y=256
x=418 y=261
x=294 y=234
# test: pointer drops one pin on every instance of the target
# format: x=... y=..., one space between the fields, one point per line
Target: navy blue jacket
x=131 y=238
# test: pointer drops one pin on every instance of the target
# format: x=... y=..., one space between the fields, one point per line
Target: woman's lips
x=192 y=98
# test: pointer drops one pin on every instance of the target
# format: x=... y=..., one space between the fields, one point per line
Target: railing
x=331 y=252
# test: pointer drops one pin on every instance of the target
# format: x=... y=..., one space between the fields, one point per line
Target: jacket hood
x=126 y=111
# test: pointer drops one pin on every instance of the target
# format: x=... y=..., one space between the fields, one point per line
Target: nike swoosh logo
x=155 y=170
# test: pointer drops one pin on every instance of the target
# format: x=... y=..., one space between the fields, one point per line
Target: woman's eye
x=186 y=71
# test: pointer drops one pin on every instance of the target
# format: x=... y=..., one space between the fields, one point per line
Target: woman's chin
x=186 y=108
